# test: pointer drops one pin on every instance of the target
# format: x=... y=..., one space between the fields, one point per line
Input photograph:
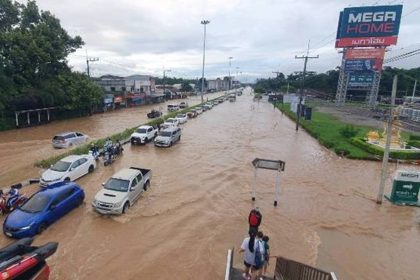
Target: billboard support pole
x=384 y=171
x=340 y=97
x=373 y=95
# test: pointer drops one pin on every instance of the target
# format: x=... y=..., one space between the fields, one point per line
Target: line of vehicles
x=59 y=195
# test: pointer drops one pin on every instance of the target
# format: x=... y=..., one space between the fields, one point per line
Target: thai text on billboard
x=364 y=59
x=369 y=26
x=360 y=80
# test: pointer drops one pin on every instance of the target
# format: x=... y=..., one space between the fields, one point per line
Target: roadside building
x=140 y=84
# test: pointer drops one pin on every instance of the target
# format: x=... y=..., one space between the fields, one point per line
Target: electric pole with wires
x=302 y=82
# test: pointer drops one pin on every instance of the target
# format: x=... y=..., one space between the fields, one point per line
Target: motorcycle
x=4 y=208
x=111 y=152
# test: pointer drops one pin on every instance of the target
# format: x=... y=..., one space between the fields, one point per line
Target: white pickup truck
x=144 y=134
x=122 y=190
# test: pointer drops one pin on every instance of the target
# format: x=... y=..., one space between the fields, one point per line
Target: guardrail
x=229 y=265
x=291 y=270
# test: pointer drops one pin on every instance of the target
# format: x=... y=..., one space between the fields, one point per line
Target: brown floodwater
x=20 y=148
x=200 y=197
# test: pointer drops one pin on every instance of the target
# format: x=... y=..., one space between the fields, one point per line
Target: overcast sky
x=262 y=36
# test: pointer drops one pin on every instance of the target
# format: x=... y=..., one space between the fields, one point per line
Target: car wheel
x=170 y=144
x=179 y=138
x=146 y=185
x=125 y=208
x=91 y=169
x=67 y=180
x=41 y=228
x=70 y=145
x=146 y=140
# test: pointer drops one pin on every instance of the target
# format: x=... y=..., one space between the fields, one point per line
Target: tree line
x=33 y=67
x=327 y=82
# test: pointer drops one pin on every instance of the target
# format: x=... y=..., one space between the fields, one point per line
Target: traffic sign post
x=276 y=165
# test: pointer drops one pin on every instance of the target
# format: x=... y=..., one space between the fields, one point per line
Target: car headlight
x=27 y=227
x=117 y=204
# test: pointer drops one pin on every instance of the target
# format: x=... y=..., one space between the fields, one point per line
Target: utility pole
x=414 y=90
x=90 y=59
x=203 y=22
x=230 y=63
x=384 y=171
x=164 y=83
x=302 y=82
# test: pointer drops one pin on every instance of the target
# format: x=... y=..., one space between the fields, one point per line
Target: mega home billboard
x=369 y=26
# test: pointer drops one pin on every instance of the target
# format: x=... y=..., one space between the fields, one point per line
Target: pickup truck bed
x=146 y=173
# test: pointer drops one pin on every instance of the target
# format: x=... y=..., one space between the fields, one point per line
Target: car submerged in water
x=43 y=209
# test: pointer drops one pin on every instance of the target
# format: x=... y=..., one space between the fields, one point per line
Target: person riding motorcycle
x=108 y=143
x=13 y=196
x=94 y=150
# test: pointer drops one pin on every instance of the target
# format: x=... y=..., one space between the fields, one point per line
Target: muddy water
x=198 y=204
x=20 y=148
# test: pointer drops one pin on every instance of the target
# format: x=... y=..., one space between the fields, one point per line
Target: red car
x=20 y=260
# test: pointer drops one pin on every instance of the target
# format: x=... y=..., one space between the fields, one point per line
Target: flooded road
x=199 y=200
x=20 y=148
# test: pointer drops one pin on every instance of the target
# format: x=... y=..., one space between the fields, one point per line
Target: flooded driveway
x=199 y=200
x=20 y=148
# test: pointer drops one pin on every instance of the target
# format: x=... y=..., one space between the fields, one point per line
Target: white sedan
x=182 y=118
x=170 y=122
x=69 y=168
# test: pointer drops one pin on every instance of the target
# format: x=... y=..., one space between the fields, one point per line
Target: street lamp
x=165 y=71
x=230 y=63
x=203 y=22
x=237 y=76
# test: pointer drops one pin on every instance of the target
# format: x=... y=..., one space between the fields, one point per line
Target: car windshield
x=170 y=120
x=36 y=203
x=165 y=133
x=58 y=138
x=118 y=185
x=141 y=130
x=61 y=166
x=181 y=116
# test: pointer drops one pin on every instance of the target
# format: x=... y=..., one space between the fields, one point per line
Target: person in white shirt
x=247 y=248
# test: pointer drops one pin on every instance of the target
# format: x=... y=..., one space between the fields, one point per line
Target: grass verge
x=328 y=131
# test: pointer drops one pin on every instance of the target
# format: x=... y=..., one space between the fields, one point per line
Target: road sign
x=405 y=188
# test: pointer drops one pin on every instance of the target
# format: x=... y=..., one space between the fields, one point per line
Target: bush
x=407 y=155
x=414 y=137
x=349 y=131
x=414 y=143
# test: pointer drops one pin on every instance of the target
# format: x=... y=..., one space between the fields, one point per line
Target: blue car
x=43 y=209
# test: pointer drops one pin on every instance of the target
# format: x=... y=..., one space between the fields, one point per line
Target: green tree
x=186 y=87
x=33 y=66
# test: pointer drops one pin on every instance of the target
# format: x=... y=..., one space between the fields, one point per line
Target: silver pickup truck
x=122 y=190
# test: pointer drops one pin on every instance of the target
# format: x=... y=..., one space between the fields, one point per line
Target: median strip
x=123 y=137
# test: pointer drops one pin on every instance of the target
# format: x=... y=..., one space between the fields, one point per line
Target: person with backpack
x=265 y=240
x=248 y=248
x=259 y=257
x=254 y=219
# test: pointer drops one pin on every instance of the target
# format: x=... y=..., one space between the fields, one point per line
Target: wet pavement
x=199 y=200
